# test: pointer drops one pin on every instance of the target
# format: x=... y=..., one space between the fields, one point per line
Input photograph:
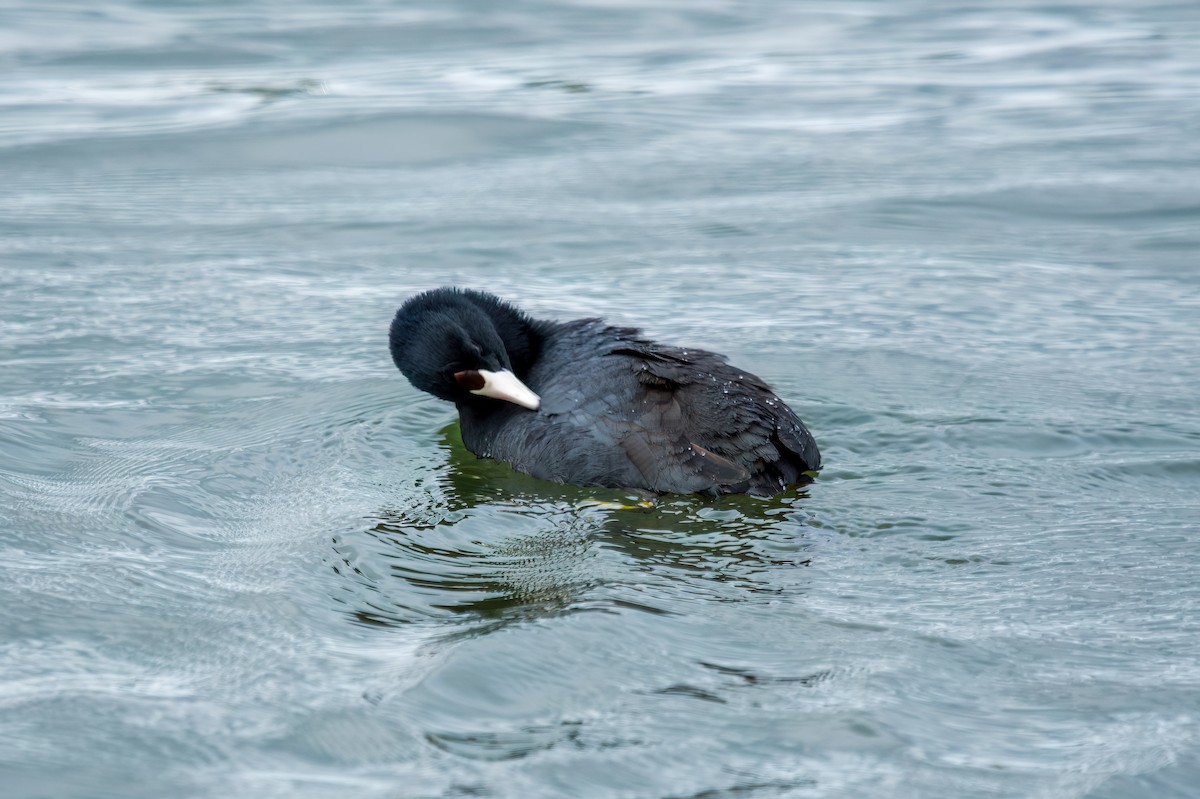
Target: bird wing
x=666 y=418
x=732 y=426
x=669 y=438
x=676 y=465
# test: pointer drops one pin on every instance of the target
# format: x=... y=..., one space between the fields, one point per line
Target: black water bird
x=586 y=403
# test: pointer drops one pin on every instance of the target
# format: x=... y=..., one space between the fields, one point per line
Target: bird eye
x=469 y=379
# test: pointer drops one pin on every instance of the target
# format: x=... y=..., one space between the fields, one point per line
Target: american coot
x=586 y=403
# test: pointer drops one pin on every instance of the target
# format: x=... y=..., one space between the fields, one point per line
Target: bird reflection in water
x=478 y=542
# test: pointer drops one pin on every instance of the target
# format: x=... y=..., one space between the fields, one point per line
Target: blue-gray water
x=241 y=556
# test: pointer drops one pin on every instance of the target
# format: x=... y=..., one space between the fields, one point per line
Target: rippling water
x=243 y=557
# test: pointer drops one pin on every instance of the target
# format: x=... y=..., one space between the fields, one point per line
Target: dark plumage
x=612 y=408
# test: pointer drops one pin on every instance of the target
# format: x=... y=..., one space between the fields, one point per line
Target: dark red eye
x=471 y=380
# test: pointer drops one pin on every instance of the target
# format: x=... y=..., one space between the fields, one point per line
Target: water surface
x=243 y=557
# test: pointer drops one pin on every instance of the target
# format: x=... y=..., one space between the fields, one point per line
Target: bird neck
x=522 y=338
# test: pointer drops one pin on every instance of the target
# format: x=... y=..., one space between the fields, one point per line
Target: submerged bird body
x=605 y=406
